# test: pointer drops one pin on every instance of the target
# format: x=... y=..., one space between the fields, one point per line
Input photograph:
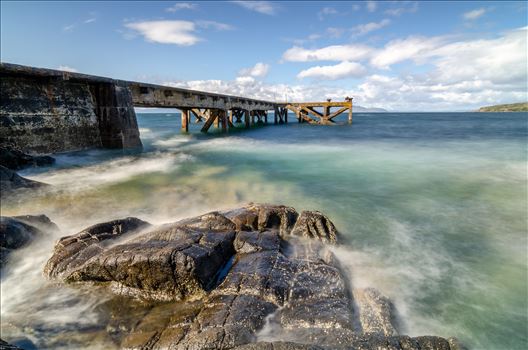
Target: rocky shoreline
x=257 y=277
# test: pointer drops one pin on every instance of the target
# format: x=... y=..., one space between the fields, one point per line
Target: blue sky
x=399 y=55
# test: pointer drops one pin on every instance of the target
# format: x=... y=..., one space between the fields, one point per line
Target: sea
x=432 y=209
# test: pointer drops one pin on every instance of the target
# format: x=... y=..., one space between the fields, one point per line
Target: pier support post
x=350 y=110
x=265 y=113
x=224 y=120
x=247 y=121
x=185 y=120
x=276 y=115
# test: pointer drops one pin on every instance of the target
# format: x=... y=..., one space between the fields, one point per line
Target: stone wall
x=49 y=113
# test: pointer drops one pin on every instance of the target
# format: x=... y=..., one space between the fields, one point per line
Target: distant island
x=513 y=107
x=360 y=109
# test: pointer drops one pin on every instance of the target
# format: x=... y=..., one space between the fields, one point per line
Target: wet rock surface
x=257 y=277
x=15 y=159
x=10 y=181
x=18 y=231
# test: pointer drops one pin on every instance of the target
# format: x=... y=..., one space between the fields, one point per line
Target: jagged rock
x=10 y=181
x=18 y=231
x=14 y=159
x=376 y=312
x=215 y=281
x=314 y=224
x=73 y=251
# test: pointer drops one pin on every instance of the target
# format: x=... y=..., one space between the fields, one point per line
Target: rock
x=376 y=312
x=6 y=346
x=10 y=181
x=314 y=224
x=73 y=251
x=18 y=231
x=14 y=159
x=219 y=280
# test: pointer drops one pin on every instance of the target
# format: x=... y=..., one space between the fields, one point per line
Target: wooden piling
x=185 y=120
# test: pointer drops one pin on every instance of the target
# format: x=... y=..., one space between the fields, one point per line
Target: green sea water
x=432 y=208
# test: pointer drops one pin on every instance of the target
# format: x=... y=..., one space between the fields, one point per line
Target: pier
x=46 y=110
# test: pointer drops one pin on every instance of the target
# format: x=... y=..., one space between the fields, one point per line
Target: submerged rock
x=11 y=181
x=226 y=280
x=14 y=159
x=18 y=231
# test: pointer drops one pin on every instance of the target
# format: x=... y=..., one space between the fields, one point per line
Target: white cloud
x=338 y=71
x=214 y=25
x=414 y=47
x=259 y=70
x=363 y=29
x=90 y=20
x=329 y=53
x=167 y=32
x=67 y=69
x=325 y=11
x=333 y=32
x=372 y=6
x=181 y=6
x=68 y=28
x=270 y=92
x=472 y=15
x=398 y=11
x=264 y=7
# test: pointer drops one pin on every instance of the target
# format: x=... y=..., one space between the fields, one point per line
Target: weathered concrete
x=47 y=111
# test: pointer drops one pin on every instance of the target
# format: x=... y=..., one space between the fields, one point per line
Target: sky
x=397 y=55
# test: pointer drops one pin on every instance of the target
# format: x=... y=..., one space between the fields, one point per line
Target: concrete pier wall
x=48 y=111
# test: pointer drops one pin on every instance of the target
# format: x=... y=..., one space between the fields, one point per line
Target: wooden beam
x=185 y=120
x=336 y=113
x=212 y=116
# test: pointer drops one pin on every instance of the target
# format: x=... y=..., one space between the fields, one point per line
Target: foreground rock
x=11 y=181
x=226 y=280
x=14 y=159
x=18 y=231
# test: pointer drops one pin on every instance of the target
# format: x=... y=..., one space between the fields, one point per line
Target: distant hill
x=513 y=107
x=360 y=109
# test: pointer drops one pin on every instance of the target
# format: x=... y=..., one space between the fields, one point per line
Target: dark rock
x=220 y=280
x=10 y=181
x=15 y=159
x=314 y=224
x=16 y=232
x=73 y=251
x=6 y=346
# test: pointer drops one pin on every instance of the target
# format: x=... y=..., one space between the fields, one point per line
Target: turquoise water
x=432 y=207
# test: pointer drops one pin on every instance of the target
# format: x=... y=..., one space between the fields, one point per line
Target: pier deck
x=66 y=104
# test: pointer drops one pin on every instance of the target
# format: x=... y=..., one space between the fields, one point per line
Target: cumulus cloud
x=67 y=69
x=472 y=15
x=363 y=29
x=342 y=70
x=259 y=70
x=166 y=32
x=264 y=7
x=260 y=90
x=181 y=6
x=328 y=53
x=414 y=47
